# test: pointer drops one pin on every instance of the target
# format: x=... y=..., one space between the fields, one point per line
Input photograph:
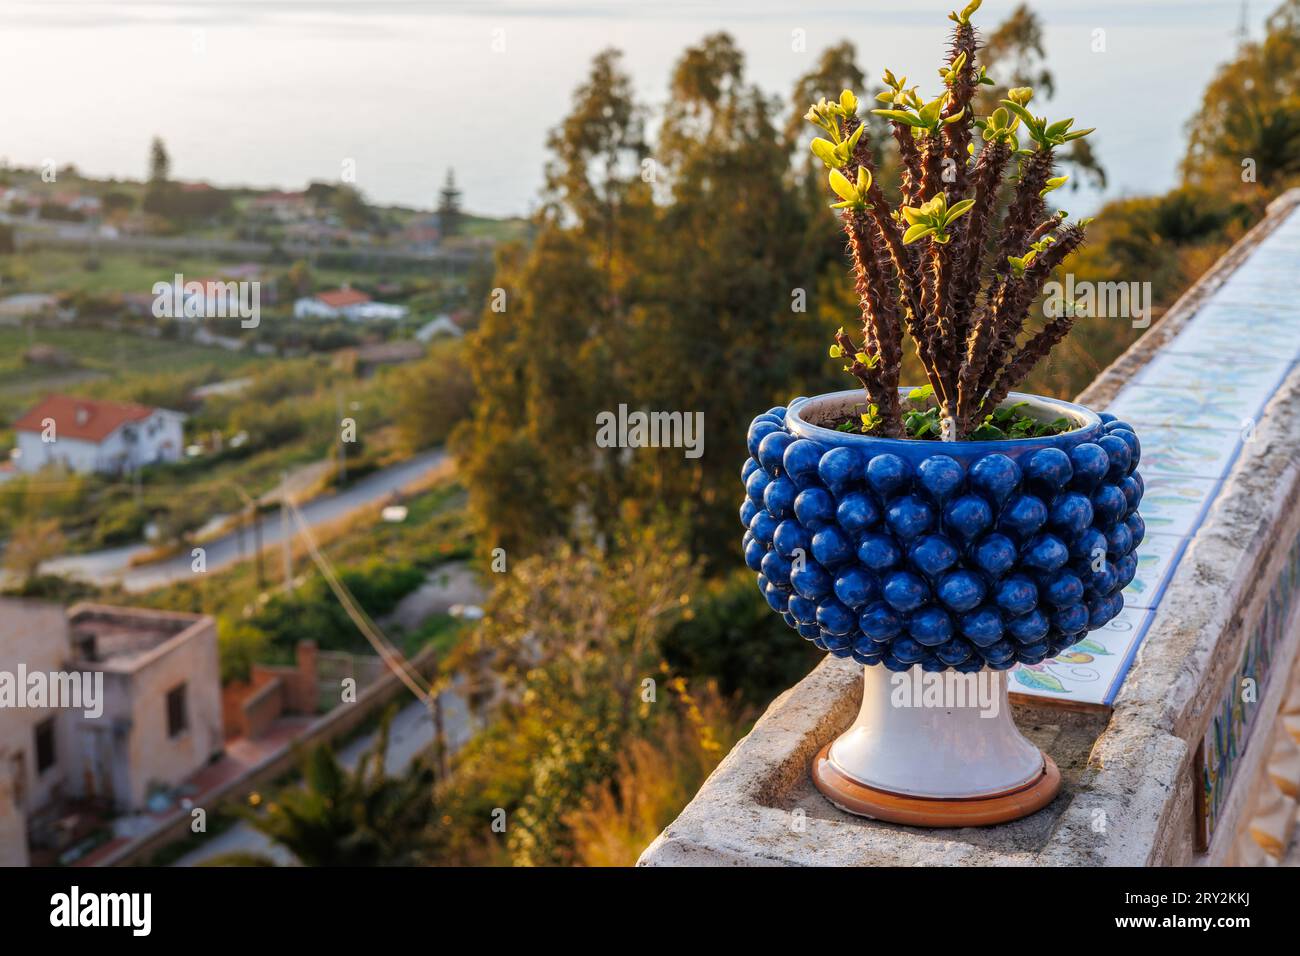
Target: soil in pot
x=921 y=420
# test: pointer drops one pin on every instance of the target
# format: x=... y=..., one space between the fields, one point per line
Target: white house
x=377 y=312
x=438 y=327
x=282 y=206
x=28 y=305
x=205 y=298
x=85 y=435
x=346 y=304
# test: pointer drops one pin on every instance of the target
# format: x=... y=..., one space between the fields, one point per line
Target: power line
x=387 y=652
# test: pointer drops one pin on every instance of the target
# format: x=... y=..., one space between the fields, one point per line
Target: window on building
x=45 y=750
x=177 y=721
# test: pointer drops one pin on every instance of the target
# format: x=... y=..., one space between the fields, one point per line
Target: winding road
x=113 y=565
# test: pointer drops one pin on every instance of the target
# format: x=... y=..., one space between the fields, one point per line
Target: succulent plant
x=947 y=263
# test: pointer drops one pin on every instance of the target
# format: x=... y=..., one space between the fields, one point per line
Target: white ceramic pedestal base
x=935 y=750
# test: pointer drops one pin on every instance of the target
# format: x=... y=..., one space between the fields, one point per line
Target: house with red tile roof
x=282 y=206
x=345 y=303
x=88 y=435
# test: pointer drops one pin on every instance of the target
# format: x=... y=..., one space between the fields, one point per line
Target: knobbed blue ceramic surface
x=961 y=555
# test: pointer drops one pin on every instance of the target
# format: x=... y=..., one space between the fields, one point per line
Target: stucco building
x=158 y=720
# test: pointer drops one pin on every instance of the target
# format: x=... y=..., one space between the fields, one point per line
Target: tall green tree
x=159 y=162
x=352 y=208
x=658 y=279
x=732 y=277
x=553 y=350
x=1248 y=127
x=572 y=634
x=450 y=216
x=158 y=187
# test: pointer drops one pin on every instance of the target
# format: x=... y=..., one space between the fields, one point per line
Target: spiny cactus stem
x=1020 y=296
x=910 y=154
x=989 y=168
x=957 y=135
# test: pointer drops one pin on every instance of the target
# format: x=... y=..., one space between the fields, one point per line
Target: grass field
x=105 y=361
x=66 y=270
x=498 y=230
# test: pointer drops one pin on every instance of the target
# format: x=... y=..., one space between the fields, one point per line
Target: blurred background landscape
x=472 y=228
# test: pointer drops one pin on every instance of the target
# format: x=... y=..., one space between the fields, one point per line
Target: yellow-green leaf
x=914 y=214
x=900 y=116
x=824 y=150
x=959 y=209
x=843 y=188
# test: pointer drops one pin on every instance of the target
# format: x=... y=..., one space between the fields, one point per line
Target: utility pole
x=439 y=734
x=250 y=514
x=257 y=547
x=286 y=534
x=343 y=446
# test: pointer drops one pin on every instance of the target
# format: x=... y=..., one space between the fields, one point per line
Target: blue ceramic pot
x=961 y=555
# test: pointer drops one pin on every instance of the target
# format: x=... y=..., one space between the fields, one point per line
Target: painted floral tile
x=1286 y=238
x=1251 y=321
x=1173 y=504
x=1196 y=408
x=1183 y=370
x=1277 y=265
x=1281 y=245
x=1189 y=404
x=1090 y=671
x=1287 y=230
x=1248 y=335
x=1187 y=452
x=1257 y=293
x=1241 y=312
x=1262 y=267
x=1157 y=557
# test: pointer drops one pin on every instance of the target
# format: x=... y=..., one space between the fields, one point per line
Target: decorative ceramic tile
x=1271 y=299
x=1174 y=505
x=1193 y=405
x=1091 y=671
x=1179 y=369
x=1248 y=340
x=1228 y=734
x=1276 y=270
x=1196 y=408
x=1278 y=265
x=1186 y=452
x=1288 y=236
x=1282 y=244
x=1288 y=228
x=1157 y=556
x=1249 y=320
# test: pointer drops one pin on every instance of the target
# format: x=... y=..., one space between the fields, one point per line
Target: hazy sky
x=279 y=92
